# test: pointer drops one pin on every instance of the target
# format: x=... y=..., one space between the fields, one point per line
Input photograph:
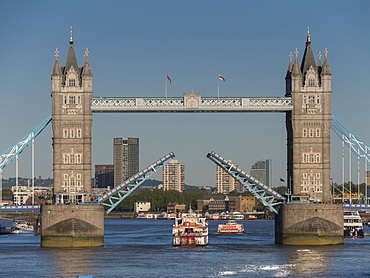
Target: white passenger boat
x=231 y=227
x=146 y=216
x=190 y=230
x=353 y=227
x=237 y=216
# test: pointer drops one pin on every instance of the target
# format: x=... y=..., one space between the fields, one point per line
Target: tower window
x=304 y=132
x=72 y=99
x=72 y=82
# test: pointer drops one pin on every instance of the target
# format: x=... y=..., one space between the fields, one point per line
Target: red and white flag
x=221 y=78
x=169 y=79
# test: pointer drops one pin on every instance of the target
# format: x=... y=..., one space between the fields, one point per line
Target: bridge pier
x=309 y=224
x=72 y=226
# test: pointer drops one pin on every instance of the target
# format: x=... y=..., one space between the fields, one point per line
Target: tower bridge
x=306 y=104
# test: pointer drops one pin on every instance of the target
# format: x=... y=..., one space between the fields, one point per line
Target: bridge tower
x=72 y=123
x=308 y=127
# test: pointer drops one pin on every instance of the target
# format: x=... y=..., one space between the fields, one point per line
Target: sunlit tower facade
x=72 y=122
x=308 y=126
x=173 y=176
x=225 y=183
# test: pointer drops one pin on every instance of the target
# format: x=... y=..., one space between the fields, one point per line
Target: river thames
x=142 y=248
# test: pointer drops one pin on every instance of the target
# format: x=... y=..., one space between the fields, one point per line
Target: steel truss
x=120 y=192
x=351 y=140
x=269 y=197
x=7 y=156
x=191 y=103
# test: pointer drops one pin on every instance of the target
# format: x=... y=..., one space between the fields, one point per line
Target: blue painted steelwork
x=119 y=193
x=7 y=156
x=25 y=208
x=351 y=140
x=357 y=206
x=269 y=197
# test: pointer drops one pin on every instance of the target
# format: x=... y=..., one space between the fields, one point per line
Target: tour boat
x=146 y=216
x=213 y=216
x=251 y=217
x=162 y=216
x=237 y=216
x=231 y=227
x=190 y=230
x=353 y=227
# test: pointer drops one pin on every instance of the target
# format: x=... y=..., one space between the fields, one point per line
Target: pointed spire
x=290 y=66
x=296 y=69
x=56 y=68
x=70 y=35
x=319 y=60
x=308 y=58
x=325 y=66
x=86 y=69
x=71 y=57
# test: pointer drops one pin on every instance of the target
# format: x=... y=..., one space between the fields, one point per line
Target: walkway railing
x=191 y=103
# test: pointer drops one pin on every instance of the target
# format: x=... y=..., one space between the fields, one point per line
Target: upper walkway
x=191 y=103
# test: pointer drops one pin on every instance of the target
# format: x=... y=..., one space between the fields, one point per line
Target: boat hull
x=190 y=230
x=230 y=227
x=190 y=240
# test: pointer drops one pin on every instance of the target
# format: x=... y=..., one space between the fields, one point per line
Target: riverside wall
x=72 y=226
x=309 y=224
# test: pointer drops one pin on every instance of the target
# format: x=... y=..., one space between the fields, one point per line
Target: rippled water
x=142 y=248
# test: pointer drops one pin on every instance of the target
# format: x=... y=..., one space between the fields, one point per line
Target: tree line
x=159 y=199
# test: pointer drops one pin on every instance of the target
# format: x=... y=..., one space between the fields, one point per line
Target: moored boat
x=237 y=216
x=353 y=227
x=190 y=230
x=146 y=216
x=213 y=216
x=251 y=217
x=21 y=226
x=231 y=227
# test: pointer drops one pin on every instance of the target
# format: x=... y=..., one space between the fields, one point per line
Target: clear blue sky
x=134 y=44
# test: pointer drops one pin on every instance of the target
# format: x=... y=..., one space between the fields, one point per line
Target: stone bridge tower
x=308 y=127
x=72 y=122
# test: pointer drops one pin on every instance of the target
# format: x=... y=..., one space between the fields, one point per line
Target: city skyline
x=134 y=47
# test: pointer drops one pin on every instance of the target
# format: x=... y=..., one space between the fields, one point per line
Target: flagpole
x=218 y=88
x=166 y=87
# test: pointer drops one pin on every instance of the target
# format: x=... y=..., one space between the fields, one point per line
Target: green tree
x=7 y=192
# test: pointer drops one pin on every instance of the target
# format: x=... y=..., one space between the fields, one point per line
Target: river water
x=142 y=248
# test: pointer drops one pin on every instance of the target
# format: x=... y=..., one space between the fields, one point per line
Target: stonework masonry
x=72 y=226
x=309 y=224
x=308 y=128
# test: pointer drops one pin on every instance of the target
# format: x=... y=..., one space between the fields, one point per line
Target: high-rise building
x=104 y=176
x=262 y=171
x=224 y=182
x=173 y=176
x=125 y=159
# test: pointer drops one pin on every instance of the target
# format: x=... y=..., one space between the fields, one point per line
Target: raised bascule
x=307 y=105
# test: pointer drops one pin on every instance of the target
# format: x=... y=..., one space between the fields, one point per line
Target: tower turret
x=308 y=128
x=72 y=123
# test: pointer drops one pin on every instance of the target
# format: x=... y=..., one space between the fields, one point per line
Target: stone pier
x=309 y=224
x=72 y=226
